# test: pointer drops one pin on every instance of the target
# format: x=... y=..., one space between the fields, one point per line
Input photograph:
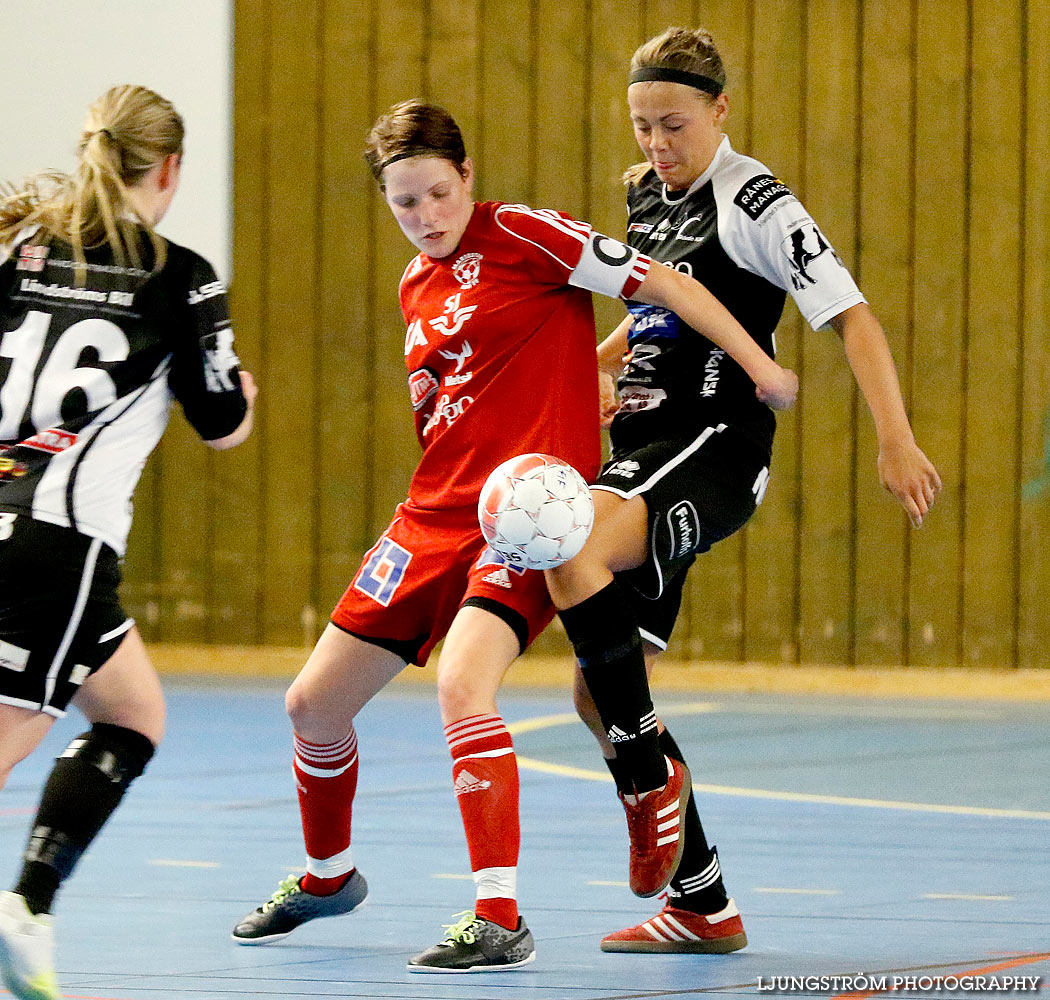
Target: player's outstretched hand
x=248 y=387
x=910 y=476
x=608 y=401
x=779 y=392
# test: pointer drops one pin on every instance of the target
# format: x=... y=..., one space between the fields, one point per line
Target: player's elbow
x=234 y=438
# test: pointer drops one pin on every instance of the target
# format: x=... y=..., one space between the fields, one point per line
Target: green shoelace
x=461 y=930
x=285 y=889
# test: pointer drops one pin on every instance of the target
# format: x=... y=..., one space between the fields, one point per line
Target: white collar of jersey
x=724 y=149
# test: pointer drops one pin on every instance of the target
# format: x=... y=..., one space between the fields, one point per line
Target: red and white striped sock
x=326 y=778
x=485 y=777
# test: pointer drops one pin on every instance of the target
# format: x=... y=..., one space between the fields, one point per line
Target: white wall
x=59 y=55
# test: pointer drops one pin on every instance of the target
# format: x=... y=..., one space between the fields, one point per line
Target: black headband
x=406 y=153
x=666 y=73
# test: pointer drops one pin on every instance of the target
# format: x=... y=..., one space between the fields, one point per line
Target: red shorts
x=424 y=568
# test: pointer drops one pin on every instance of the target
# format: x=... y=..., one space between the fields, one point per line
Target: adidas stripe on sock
x=326 y=780
x=485 y=778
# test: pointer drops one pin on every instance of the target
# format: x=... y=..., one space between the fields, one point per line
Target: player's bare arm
x=244 y=429
x=610 y=363
x=904 y=470
x=775 y=386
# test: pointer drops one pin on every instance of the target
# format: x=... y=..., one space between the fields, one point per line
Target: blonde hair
x=689 y=49
x=128 y=130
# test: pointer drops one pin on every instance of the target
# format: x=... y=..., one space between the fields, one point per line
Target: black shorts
x=697 y=492
x=60 y=616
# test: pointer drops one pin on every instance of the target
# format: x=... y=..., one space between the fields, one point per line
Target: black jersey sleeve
x=204 y=375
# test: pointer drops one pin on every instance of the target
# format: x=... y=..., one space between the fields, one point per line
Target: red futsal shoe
x=683 y=932
x=655 y=829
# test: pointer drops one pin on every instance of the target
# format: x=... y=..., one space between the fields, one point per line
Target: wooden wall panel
x=939 y=294
x=615 y=32
x=399 y=73
x=239 y=531
x=291 y=289
x=771 y=563
x=183 y=594
x=884 y=274
x=453 y=67
x=991 y=439
x=826 y=404
x=562 y=101
x=346 y=346
x=507 y=148
x=1034 y=567
x=917 y=136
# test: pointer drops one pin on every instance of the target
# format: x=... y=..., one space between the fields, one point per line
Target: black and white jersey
x=743 y=234
x=88 y=369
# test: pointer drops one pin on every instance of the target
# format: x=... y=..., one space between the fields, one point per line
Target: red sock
x=485 y=776
x=326 y=777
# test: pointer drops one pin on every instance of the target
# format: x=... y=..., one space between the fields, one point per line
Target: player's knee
x=454 y=696
x=297 y=705
x=305 y=707
x=576 y=579
x=461 y=693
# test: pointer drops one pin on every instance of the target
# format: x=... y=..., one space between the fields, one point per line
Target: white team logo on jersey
x=627 y=468
x=467 y=270
x=208 y=291
x=448 y=410
x=634 y=398
x=455 y=316
x=699 y=220
x=803 y=247
x=459 y=357
x=219 y=360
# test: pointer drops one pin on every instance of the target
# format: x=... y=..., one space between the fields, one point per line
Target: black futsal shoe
x=290 y=906
x=474 y=944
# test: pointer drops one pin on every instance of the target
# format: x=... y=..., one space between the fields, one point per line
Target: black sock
x=604 y=635
x=84 y=787
x=697 y=884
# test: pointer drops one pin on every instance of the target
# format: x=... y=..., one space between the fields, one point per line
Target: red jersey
x=500 y=346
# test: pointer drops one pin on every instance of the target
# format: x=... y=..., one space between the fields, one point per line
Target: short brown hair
x=414 y=128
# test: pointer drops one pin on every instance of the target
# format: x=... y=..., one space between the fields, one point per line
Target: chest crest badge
x=467 y=270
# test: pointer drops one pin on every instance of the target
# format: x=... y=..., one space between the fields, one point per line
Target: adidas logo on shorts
x=466 y=782
x=617 y=735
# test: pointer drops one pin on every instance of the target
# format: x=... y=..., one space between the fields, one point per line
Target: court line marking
x=453 y=875
x=973 y=897
x=567 y=771
x=174 y=863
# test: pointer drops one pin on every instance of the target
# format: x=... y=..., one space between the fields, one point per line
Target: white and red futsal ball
x=536 y=511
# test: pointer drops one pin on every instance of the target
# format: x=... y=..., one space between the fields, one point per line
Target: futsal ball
x=536 y=511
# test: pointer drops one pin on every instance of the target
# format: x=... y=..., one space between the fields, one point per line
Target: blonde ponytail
x=128 y=130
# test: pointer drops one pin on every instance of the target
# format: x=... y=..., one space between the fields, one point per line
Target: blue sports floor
x=875 y=836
